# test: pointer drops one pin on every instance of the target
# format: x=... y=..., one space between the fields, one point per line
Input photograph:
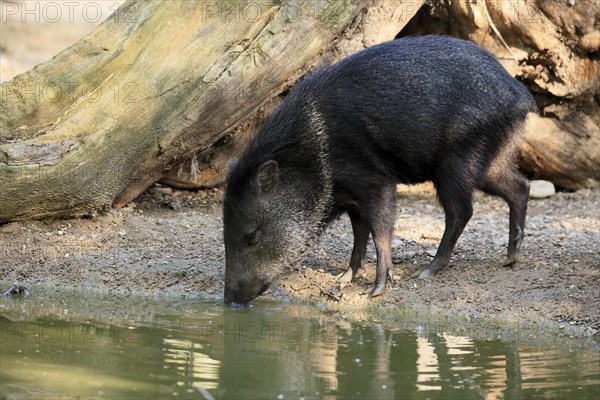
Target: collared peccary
x=416 y=109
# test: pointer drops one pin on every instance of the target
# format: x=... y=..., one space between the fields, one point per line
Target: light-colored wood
x=556 y=153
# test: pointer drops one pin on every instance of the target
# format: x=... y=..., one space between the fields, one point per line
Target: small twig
x=299 y=289
x=496 y=31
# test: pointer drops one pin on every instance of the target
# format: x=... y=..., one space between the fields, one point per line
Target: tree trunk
x=156 y=82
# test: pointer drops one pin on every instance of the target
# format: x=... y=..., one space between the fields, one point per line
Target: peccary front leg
x=360 y=227
x=382 y=217
x=503 y=181
x=457 y=202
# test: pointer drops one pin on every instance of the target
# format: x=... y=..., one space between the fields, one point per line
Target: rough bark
x=154 y=83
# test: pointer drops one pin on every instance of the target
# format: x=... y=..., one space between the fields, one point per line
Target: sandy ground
x=169 y=243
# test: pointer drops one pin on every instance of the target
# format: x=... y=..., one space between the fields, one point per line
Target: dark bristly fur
x=415 y=109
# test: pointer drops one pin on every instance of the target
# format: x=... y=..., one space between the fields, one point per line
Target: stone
x=541 y=189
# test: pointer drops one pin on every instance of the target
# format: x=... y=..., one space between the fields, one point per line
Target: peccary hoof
x=510 y=261
x=378 y=290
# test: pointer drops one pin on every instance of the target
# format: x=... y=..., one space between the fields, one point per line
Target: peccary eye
x=252 y=238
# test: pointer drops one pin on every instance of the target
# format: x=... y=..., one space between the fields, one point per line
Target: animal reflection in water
x=342 y=357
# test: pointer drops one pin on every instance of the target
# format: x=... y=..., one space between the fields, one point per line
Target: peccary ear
x=231 y=164
x=267 y=177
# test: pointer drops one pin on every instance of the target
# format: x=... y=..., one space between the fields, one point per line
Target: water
x=76 y=346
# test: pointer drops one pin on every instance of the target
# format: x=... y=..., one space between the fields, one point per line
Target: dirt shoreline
x=169 y=243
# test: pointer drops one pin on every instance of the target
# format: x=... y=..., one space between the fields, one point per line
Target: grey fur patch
x=306 y=226
x=319 y=133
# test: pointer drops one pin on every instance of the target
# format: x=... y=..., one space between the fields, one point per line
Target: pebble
x=590 y=331
x=431 y=252
x=397 y=243
x=9 y=229
x=541 y=189
x=407 y=255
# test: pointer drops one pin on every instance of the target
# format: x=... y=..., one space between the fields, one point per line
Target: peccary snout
x=239 y=291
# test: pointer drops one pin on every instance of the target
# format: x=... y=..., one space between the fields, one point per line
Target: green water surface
x=72 y=346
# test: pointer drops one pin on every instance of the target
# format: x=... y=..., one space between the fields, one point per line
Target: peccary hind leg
x=514 y=189
x=360 y=227
x=457 y=202
x=382 y=218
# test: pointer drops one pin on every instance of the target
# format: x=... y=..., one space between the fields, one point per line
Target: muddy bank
x=169 y=244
